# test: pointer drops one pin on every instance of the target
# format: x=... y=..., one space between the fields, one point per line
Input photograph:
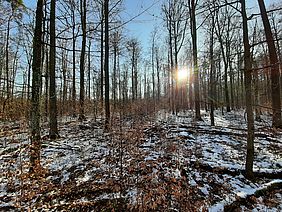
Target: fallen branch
x=235 y=172
x=249 y=200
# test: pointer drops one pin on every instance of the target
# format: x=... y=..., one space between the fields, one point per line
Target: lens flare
x=182 y=74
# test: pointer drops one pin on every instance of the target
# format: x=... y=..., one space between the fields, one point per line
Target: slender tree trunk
x=176 y=69
x=132 y=73
x=7 y=59
x=158 y=77
x=212 y=70
x=64 y=70
x=231 y=75
x=53 y=132
x=248 y=95
x=89 y=70
x=191 y=101
x=107 y=78
x=82 y=60
x=114 y=87
x=256 y=84
x=136 y=77
x=102 y=56
x=28 y=81
x=172 y=97
x=195 y=59
x=153 y=65
x=46 y=84
x=35 y=99
x=73 y=63
x=14 y=72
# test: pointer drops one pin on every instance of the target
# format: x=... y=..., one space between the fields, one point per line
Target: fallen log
x=249 y=200
x=235 y=172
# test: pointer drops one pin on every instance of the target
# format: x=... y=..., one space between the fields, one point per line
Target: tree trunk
x=82 y=60
x=89 y=71
x=136 y=77
x=132 y=73
x=53 y=132
x=107 y=78
x=158 y=77
x=195 y=59
x=176 y=68
x=46 y=85
x=114 y=86
x=73 y=62
x=7 y=59
x=35 y=99
x=64 y=70
x=102 y=56
x=212 y=70
x=248 y=95
x=275 y=74
x=172 y=97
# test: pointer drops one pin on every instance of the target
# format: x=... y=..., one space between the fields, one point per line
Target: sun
x=182 y=74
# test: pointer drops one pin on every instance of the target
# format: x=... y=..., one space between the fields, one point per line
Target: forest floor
x=165 y=163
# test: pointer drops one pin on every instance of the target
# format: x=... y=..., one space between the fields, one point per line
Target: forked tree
x=248 y=94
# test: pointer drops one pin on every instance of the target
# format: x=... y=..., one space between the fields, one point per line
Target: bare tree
x=82 y=60
x=192 y=12
x=275 y=74
x=72 y=7
x=53 y=132
x=176 y=23
x=134 y=50
x=248 y=94
x=106 y=67
x=35 y=99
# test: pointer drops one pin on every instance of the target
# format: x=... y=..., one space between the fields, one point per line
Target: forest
x=140 y=105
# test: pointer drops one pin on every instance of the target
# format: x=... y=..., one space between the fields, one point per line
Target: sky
x=142 y=26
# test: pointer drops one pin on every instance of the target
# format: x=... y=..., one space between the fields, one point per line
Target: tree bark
x=192 y=12
x=106 y=69
x=53 y=132
x=82 y=60
x=102 y=56
x=35 y=99
x=73 y=62
x=248 y=95
x=212 y=74
x=275 y=74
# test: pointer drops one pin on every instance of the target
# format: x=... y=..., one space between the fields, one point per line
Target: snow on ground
x=171 y=163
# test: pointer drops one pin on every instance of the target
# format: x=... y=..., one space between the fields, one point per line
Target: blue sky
x=142 y=26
